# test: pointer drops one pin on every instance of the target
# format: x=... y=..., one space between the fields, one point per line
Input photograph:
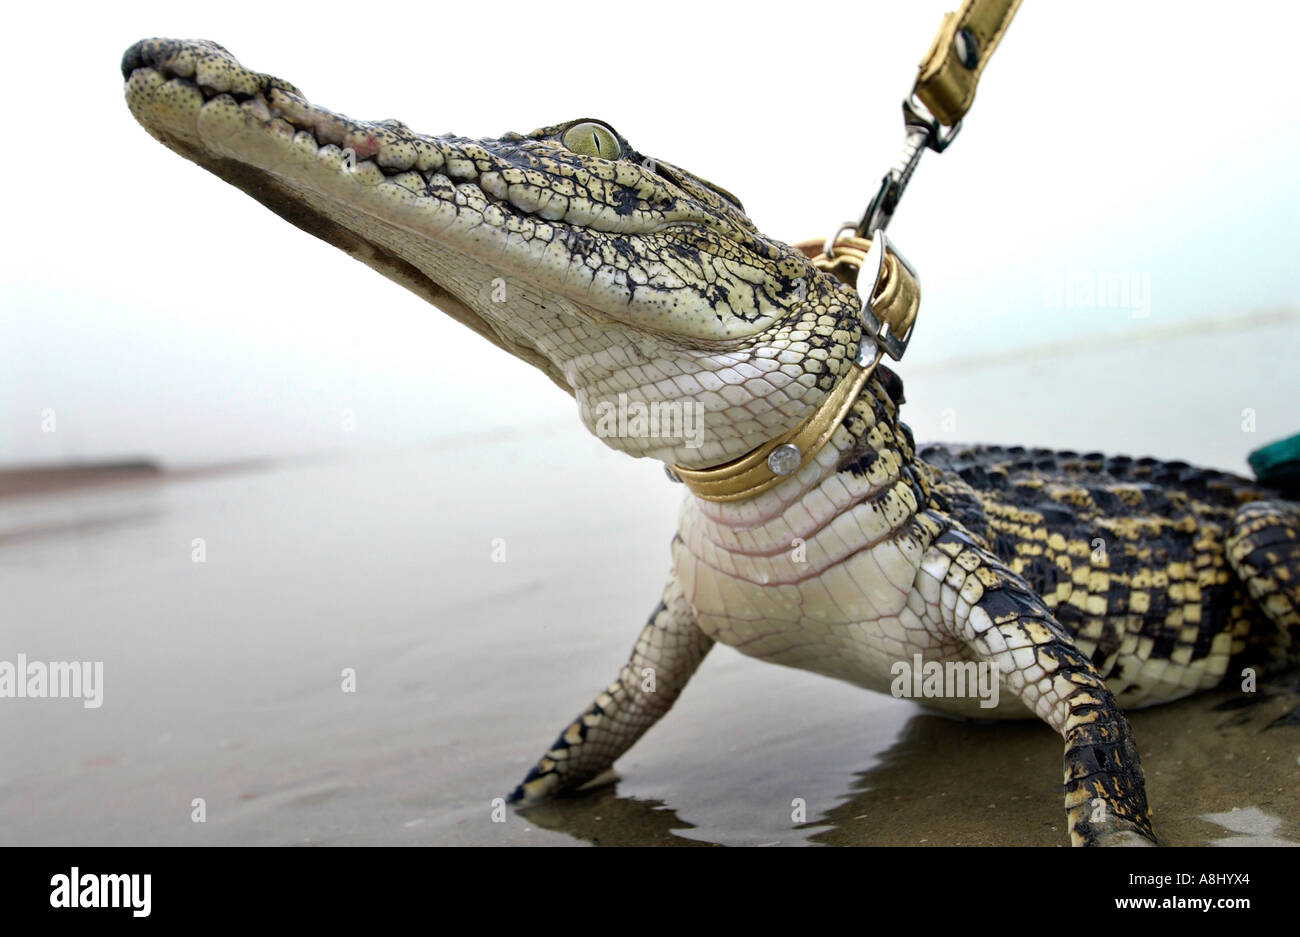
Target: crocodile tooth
x=282 y=128
x=327 y=127
x=330 y=156
x=256 y=105
x=304 y=144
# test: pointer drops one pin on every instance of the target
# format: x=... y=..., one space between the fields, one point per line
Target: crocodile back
x=1128 y=553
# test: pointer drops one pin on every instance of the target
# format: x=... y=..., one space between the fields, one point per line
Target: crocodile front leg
x=669 y=649
x=1003 y=621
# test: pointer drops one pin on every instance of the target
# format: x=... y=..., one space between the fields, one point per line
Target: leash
x=932 y=114
x=942 y=94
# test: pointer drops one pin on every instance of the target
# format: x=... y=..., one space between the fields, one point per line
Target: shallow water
x=223 y=678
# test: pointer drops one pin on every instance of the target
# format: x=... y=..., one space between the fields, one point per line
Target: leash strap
x=943 y=93
x=952 y=67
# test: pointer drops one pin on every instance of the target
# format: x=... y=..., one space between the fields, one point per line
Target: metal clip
x=899 y=302
x=924 y=132
x=829 y=247
x=916 y=116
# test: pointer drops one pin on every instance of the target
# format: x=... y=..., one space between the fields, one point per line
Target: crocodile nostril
x=132 y=59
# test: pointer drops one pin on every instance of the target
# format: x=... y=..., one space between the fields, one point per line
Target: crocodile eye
x=592 y=139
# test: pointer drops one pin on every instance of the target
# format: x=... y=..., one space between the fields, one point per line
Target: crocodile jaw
x=308 y=185
x=614 y=282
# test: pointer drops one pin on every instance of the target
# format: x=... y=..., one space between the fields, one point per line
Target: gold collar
x=887 y=321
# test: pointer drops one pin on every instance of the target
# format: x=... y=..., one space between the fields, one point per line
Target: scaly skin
x=1091 y=584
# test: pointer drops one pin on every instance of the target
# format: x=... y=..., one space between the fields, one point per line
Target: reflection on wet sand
x=600 y=817
x=1221 y=770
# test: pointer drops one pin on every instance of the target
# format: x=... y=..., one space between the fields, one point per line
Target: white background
x=161 y=313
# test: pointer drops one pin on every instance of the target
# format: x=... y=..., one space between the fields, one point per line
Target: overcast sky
x=158 y=312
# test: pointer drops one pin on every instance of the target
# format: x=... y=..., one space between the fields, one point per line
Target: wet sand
x=223 y=678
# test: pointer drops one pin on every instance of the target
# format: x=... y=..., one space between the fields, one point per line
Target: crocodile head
x=627 y=280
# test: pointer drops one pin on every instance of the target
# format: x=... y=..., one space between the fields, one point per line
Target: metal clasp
x=917 y=115
x=899 y=301
x=923 y=132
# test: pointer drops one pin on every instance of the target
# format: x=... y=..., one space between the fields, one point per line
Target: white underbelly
x=853 y=620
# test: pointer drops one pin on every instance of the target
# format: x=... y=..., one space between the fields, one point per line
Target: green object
x=1278 y=464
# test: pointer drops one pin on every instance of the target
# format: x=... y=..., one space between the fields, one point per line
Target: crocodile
x=1087 y=584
